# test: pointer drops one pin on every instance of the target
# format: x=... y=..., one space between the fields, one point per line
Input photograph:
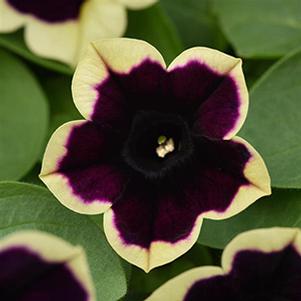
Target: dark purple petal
x=91 y=165
x=143 y=86
x=144 y=215
x=217 y=174
x=24 y=276
x=167 y=210
x=100 y=182
x=192 y=84
x=209 y=99
x=218 y=115
x=120 y=96
x=255 y=276
x=49 y=10
x=111 y=107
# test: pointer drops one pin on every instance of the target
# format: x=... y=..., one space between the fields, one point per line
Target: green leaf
x=155 y=27
x=253 y=69
x=261 y=28
x=195 y=22
x=57 y=88
x=23 y=118
x=25 y=206
x=281 y=209
x=32 y=176
x=273 y=123
x=15 y=43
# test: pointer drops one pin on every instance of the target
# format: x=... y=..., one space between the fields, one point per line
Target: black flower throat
x=142 y=148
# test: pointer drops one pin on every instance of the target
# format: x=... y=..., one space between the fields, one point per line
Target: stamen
x=165 y=147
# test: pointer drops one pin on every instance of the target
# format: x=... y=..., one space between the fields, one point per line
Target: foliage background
x=35 y=99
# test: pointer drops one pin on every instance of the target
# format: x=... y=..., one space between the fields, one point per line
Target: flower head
x=259 y=265
x=38 y=266
x=157 y=152
x=61 y=29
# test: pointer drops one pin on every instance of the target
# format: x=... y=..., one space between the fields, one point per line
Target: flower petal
x=176 y=288
x=260 y=264
x=262 y=240
x=147 y=239
x=25 y=256
x=79 y=168
x=10 y=19
x=52 y=40
x=237 y=158
x=268 y=270
x=66 y=38
x=100 y=19
x=212 y=82
x=94 y=89
x=152 y=225
x=137 y=4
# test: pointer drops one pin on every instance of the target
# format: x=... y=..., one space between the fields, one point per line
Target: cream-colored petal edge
x=177 y=288
x=137 y=4
x=158 y=254
x=54 y=250
x=90 y=72
x=99 y=20
x=222 y=64
x=260 y=185
x=53 y=41
x=120 y=55
x=57 y=183
x=10 y=19
x=264 y=240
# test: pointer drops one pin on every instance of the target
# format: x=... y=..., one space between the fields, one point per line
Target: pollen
x=165 y=147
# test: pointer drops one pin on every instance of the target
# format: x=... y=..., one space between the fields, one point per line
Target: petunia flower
x=61 y=29
x=259 y=265
x=157 y=151
x=37 y=266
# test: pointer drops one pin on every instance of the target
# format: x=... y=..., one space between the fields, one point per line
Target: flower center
x=157 y=144
x=49 y=10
